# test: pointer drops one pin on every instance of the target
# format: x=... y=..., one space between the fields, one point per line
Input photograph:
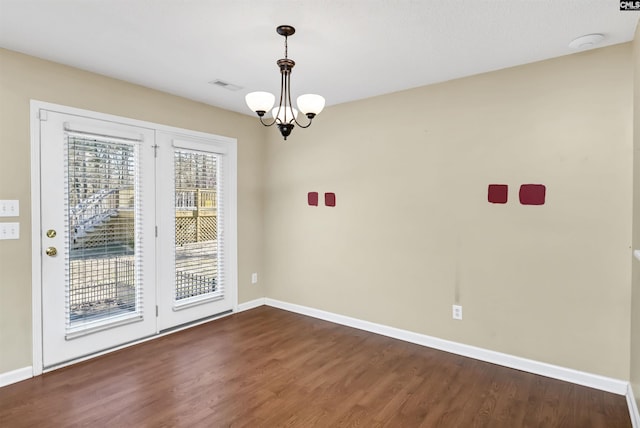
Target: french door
x=133 y=232
x=193 y=280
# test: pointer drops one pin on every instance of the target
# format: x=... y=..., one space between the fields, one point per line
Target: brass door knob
x=51 y=251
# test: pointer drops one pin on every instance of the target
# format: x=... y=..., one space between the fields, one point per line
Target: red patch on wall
x=498 y=193
x=312 y=199
x=330 y=199
x=532 y=194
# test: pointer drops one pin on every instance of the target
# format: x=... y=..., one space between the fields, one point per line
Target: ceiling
x=344 y=49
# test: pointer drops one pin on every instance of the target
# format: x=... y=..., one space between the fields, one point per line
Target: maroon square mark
x=312 y=199
x=498 y=193
x=532 y=194
x=330 y=199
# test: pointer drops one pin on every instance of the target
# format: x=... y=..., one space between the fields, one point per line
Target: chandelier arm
x=288 y=97
x=282 y=92
x=291 y=105
x=294 y=117
x=267 y=124
x=303 y=126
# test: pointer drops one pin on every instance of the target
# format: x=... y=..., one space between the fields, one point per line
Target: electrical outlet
x=9 y=230
x=254 y=278
x=9 y=208
x=457 y=312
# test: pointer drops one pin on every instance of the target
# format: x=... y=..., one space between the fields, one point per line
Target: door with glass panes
x=132 y=233
x=193 y=279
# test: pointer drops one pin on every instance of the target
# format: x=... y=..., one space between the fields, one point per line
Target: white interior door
x=195 y=239
x=97 y=235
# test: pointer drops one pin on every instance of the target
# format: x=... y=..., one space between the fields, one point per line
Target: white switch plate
x=9 y=208
x=9 y=230
x=457 y=312
x=254 y=278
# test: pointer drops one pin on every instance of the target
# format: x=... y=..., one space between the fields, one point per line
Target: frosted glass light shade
x=260 y=101
x=280 y=118
x=310 y=103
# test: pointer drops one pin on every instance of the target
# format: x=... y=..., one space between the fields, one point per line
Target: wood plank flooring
x=271 y=368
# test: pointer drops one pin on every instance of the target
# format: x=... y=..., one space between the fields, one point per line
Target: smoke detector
x=586 y=42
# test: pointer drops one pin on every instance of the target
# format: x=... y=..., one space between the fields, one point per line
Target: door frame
x=36 y=220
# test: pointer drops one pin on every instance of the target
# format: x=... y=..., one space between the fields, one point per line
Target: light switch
x=9 y=208
x=9 y=230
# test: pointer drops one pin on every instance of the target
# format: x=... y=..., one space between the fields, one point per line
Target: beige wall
x=635 y=301
x=23 y=78
x=413 y=233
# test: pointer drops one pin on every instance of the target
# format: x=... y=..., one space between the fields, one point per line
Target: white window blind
x=103 y=230
x=199 y=231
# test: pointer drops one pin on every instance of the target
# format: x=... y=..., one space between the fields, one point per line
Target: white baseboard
x=16 y=376
x=562 y=373
x=250 y=304
x=633 y=408
x=603 y=383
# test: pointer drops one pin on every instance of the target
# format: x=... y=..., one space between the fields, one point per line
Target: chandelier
x=284 y=115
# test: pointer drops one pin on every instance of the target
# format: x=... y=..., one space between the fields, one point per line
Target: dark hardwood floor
x=270 y=368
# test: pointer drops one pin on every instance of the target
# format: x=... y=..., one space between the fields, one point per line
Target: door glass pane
x=196 y=214
x=101 y=200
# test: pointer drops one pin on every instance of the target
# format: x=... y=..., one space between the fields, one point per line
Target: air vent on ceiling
x=226 y=85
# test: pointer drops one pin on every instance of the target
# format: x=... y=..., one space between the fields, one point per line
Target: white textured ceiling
x=344 y=49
